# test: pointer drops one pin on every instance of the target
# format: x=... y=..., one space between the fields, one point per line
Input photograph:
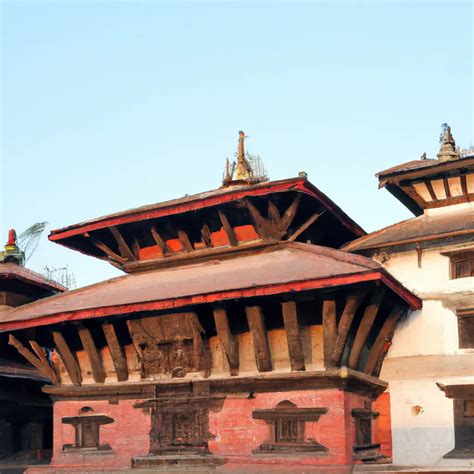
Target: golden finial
x=243 y=171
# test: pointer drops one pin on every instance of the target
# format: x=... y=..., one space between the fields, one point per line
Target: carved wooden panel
x=170 y=344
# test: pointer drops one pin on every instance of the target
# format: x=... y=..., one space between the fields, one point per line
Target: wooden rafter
x=275 y=226
x=117 y=353
x=293 y=337
x=160 y=241
x=329 y=331
x=93 y=355
x=429 y=186
x=304 y=226
x=273 y=212
x=206 y=235
x=353 y=302
x=365 y=326
x=40 y=352
x=290 y=213
x=68 y=359
x=228 y=340
x=382 y=337
x=39 y=362
x=259 y=337
x=185 y=242
x=228 y=228
x=410 y=190
x=107 y=250
x=136 y=248
x=124 y=249
x=447 y=189
x=266 y=228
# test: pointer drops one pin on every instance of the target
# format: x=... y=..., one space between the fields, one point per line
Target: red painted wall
x=237 y=434
x=128 y=436
x=383 y=424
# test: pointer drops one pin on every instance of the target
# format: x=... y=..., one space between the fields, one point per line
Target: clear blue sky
x=111 y=105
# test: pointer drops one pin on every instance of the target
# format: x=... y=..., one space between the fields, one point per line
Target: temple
x=26 y=412
x=430 y=366
x=239 y=335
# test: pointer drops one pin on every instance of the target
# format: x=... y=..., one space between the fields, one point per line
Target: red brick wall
x=128 y=436
x=238 y=434
x=383 y=428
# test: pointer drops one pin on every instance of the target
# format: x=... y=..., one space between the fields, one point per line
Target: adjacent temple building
x=430 y=366
x=243 y=334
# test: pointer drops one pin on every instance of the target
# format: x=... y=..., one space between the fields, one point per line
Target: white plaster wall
x=433 y=331
x=424 y=438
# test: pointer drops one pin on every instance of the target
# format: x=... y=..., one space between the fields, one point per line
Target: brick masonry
x=236 y=433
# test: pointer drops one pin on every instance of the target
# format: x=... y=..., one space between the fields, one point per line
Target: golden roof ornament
x=447 y=151
x=248 y=169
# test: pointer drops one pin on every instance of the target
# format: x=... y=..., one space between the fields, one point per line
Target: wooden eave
x=208 y=199
x=422 y=230
x=359 y=270
x=14 y=272
x=83 y=237
x=402 y=183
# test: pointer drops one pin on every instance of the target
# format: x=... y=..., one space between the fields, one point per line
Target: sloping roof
x=12 y=271
x=409 y=165
x=416 y=168
x=424 y=227
x=280 y=268
x=206 y=199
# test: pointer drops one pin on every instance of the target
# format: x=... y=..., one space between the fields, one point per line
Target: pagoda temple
x=26 y=415
x=239 y=334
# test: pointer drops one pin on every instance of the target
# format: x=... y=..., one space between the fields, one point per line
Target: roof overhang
x=272 y=275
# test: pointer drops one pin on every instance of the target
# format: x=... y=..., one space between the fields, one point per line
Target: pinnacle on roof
x=12 y=252
x=248 y=169
x=448 y=149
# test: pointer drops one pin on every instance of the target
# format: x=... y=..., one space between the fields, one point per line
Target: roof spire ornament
x=447 y=151
x=247 y=169
x=243 y=170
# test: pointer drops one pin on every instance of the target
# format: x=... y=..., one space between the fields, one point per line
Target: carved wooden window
x=87 y=429
x=466 y=328
x=462 y=265
x=364 y=448
x=287 y=428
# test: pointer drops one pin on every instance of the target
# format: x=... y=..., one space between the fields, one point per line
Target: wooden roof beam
x=304 y=226
x=69 y=361
x=124 y=249
x=185 y=242
x=365 y=326
x=329 y=331
x=106 y=249
x=228 y=229
x=353 y=302
x=293 y=337
x=117 y=353
x=258 y=330
x=93 y=355
x=228 y=340
x=383 y=337
x=39 y=361
x=160 y=241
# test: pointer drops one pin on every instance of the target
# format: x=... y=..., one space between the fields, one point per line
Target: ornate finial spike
x=447 y=151
x=243 y=171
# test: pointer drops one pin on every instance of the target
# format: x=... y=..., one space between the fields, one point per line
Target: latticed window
x=466 y=328
x=289 y=430
x=462 y=265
